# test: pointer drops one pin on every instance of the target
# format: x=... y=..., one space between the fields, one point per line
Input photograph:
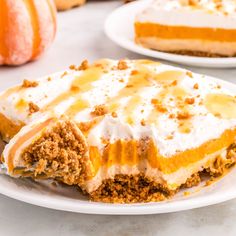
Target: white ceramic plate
x=70 y=199
x=119 y=27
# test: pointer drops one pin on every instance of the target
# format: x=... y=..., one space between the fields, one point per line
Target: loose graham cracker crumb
x=72 y=67
x=155 y=101
x=33 y=107
x=134 y=72
x=196 y=86
x=84 y=65
x=29 y=84
x=174 y=83
x=172 y=116
x=189 y=101
x=99 y=110
x=122 y=65
x=183 y=115
x=114 y=114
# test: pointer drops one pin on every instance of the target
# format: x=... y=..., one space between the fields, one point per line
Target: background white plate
x=119 y=27
x=70 y=199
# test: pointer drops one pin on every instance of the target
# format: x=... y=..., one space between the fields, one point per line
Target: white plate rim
x=229 y=62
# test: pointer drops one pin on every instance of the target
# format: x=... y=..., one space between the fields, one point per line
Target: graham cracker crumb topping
x=72 y=67
x=196 y=86
x=99 y=110
x=84 y=65
x=114 y=114
x=189 y=101
x=29 y=84
x=143 y=123
x=33 y=107
x=183 y=115
x=122 y=65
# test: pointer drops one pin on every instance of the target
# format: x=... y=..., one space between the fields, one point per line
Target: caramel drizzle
x=143 y=77
x=80 y=85
x=168 y=89
x=221 y=105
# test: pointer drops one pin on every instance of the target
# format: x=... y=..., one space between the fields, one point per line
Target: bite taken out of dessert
x=123 y=131
x=204 y=28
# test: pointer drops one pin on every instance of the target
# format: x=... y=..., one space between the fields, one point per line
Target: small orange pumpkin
x=27 y=28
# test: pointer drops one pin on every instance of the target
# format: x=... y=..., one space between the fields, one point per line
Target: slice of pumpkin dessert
x=49 y=148
x=124 y=131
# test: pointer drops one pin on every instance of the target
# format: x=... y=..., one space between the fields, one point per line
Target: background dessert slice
x=200 y=28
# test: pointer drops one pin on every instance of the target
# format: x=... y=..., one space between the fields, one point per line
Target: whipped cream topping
x=191 y=13
x=128 y=100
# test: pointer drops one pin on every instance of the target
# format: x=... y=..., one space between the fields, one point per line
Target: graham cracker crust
x=138 y=188
x=198 y=54
x=158 y=45
x=130 y=189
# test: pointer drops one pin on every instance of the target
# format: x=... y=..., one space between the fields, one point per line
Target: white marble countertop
x=80 y=35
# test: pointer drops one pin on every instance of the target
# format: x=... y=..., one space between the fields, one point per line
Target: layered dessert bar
x=191 y=27
x=123 y=131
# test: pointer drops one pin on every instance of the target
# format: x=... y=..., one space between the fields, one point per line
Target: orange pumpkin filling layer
x=182 y=32
x=128 y=153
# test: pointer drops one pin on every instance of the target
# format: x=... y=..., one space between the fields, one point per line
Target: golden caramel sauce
x=21 y=105
x=185 y=126
x=132 y=104
x=85 y=80
x=169 y=76
x=10 y=91
x=80 y=85
x=136 y=82
x=146 y=62
x=221 y=105
x=153 y=117
x=145 y=77
x=76 y=107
